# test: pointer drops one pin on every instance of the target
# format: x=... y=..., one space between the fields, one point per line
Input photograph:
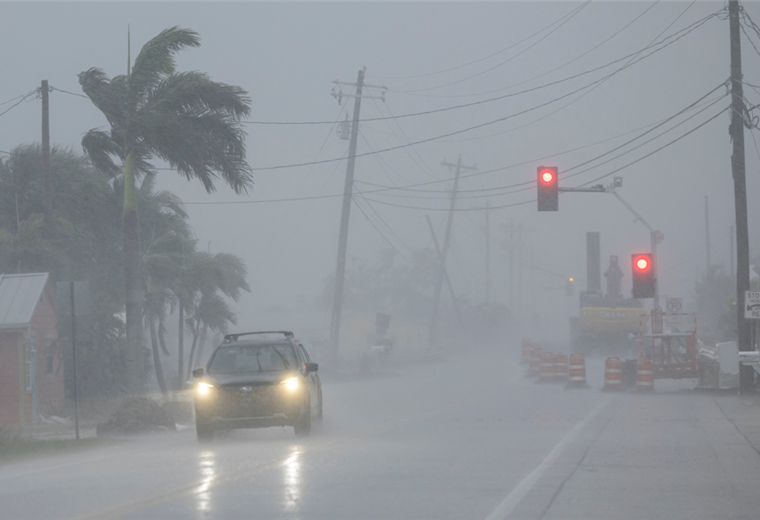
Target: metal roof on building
x=19 y=295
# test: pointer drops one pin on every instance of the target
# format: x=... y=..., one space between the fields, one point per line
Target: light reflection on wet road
x=457 y=439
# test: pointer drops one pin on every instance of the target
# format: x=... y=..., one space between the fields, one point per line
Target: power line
x=578 y=10
x=485 y=57
x=686 y=30
x=532 y=161
x=569 y=176
x=412 y=187
x=664 y=43
x=23 y=98
x=71 y=93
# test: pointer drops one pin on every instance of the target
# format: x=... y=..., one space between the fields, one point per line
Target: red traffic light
x=547 y=176
x=642 y=263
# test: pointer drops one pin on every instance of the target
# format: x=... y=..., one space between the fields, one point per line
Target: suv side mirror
x=198 y=372
x=310 y=367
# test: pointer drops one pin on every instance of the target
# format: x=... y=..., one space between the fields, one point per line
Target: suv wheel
x=302 y=427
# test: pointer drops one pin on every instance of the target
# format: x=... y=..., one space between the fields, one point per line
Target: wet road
x=469 y=438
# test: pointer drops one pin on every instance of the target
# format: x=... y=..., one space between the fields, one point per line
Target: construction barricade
x=546 y=369
x=535 y=361
x=644 y=375
x=613 y=374
x=576 y=371
x=560 y=368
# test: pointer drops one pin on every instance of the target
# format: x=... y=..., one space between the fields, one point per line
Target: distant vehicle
x=257 y=382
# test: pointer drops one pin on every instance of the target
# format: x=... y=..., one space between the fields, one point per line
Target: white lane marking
x=513 y=498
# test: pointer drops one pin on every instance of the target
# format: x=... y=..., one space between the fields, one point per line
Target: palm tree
x=221 y=273
x=182 y=118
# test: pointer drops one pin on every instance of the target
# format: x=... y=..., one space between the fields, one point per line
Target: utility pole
x=707 y=234
x=731 y=251
x=340 y=271
x=488 y=253
x=48 y=187
x=736 y=130
x=445 y=272
x=439 y=278
x=511 y=266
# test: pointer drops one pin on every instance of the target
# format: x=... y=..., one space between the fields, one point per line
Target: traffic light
x=548 y=188
x=643 y=275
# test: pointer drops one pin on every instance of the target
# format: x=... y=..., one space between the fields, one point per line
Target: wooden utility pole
x=746 y=373
x=442 y=264
x=707 y=234
x=48 y=186
x=340 y=271
x=445 y=273
x=488 y=253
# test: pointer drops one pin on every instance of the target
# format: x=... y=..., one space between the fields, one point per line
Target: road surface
x=468 y=438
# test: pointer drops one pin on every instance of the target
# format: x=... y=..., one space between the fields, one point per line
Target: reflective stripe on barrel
x=546 y=372
x=644 y=375
x=576 y=375
x=613 y=373
x=560 y=367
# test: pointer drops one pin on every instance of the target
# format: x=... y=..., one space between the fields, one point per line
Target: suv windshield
x=252 y=358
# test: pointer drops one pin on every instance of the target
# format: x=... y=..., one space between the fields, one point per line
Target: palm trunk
x=199 y=357
x=181 y=347
x=192 y=353
x=132 y=282
x=157 y=359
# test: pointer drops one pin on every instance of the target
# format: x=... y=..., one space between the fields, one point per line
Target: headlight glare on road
x=203 y=388
x=290 y=384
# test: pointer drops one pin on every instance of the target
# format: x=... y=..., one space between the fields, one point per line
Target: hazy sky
x=429 y=56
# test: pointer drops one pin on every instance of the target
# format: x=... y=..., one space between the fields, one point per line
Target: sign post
x=73 y=298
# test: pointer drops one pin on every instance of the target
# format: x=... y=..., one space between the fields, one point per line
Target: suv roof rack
x=229 y=338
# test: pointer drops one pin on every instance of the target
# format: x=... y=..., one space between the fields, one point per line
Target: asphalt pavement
x=467 y=438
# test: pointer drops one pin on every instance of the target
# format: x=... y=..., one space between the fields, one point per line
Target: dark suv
x=257 y=382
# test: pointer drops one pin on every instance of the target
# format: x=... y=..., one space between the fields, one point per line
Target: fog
x=429 y=56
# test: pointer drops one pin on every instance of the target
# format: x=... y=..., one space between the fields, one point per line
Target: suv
x=257 y=382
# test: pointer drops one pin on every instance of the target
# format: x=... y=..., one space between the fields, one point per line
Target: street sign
x=751 y=305
x=674 y=305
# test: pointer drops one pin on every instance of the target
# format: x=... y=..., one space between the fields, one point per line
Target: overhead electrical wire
x=578 y=10
x=414 y=187
x=461 y=131
x=427 y=74
x=650 y=128
x=547 y=72
x=661 y=44
x=23 y=98
x=569 y=176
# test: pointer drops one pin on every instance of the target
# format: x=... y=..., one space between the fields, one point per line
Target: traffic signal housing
x=548 y=188
x=643 y=276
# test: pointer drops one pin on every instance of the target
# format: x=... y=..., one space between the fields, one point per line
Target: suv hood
x=255 y=378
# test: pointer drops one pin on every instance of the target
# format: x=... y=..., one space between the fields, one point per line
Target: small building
x=31 y=360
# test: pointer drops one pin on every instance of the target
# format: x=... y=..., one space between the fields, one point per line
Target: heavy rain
x=380 y=260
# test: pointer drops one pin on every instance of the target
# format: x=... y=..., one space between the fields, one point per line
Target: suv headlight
x=204 y=388
x=291 y=384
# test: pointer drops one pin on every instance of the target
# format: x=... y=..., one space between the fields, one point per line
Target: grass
x=15 y=445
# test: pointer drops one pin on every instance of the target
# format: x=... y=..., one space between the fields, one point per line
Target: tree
x=182 y=118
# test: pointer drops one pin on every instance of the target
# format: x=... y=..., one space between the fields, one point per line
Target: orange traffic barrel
x=613 y=374
x=535 y=361
x=560 y=367
x=546 y=369
x=576 y=373
x=644 y=375
x=527 y=346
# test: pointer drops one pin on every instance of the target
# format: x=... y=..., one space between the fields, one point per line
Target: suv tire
x=302 y=427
